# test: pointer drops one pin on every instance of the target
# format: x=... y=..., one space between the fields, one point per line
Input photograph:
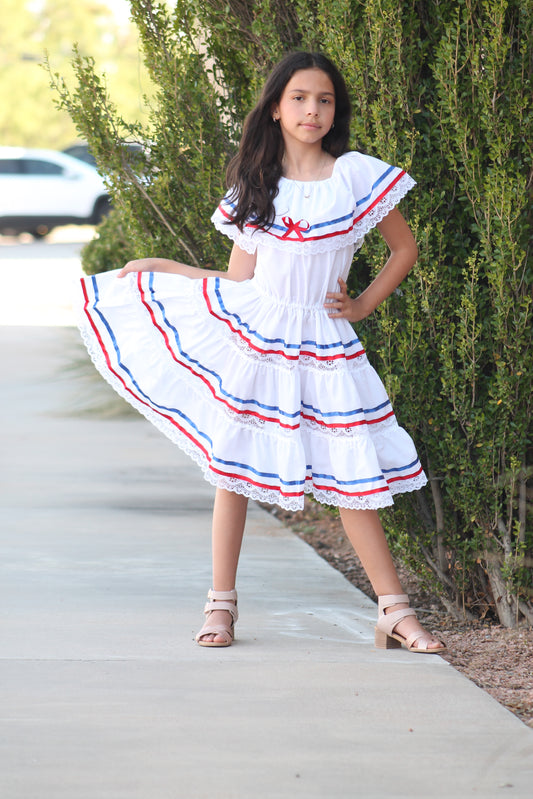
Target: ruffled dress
x=271 y=397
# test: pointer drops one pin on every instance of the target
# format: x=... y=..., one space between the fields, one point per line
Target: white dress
x=271 y=397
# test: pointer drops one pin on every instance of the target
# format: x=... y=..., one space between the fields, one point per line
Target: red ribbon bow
x=295 y=227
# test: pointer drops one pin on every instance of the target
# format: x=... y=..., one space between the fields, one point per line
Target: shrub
x=111 y=248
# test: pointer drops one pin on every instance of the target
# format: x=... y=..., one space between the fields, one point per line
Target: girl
x=257 y=372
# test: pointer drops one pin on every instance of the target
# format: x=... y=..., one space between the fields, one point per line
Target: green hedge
x=444 y=90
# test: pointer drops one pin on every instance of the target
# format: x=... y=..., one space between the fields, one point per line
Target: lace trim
x=414 y=484
x=273 y=497
x=270 y=496
x=352 y=433
x=250 y=241
x=266 y=428
x=307 y=362
x=242 y=240
x=353 y=503
x=277 y=361
x=272 y=359
x=374 y=216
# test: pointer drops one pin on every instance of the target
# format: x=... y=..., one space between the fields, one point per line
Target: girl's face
x=307 y=107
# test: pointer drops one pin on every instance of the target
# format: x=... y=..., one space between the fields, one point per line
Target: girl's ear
x=274 y=113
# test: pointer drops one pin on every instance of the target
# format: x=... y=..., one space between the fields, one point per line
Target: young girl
x=257 y=372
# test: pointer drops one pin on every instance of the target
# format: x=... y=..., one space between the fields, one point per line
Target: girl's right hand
x=140 y=265
x=170 y=267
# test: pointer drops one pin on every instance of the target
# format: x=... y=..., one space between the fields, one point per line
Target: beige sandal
x=386 y=638
x=219 y=600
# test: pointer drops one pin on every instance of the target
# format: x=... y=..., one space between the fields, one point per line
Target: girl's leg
x=229 y=517
x=366 y=534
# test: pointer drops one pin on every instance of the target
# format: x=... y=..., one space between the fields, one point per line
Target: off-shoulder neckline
x=321 y=180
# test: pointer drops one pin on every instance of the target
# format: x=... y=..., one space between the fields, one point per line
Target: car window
x=9 y=166
x=36 y=166
x=82 y=153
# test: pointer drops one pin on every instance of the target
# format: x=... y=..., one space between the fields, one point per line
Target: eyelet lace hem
x=276 y=360
x=273 y=496
x=354 y=434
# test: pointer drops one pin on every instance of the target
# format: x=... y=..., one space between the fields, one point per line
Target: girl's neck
x=308 y=164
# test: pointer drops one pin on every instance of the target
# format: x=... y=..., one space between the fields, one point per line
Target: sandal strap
x=387 y=622
x=422 y=637
x=387 y=600
x=222 y=595
x=229 y=606
x=222 y=600
x=216 y=629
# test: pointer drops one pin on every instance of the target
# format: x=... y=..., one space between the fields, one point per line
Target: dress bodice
x=300 y=280
x=317 y=227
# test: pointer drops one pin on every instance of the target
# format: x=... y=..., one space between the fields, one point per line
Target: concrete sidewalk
x=105 y=539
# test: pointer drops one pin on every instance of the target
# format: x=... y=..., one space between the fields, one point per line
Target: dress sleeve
x=377 y=188
x=222 y=221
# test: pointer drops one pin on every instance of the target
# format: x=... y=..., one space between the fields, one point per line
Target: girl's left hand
x=341 y=306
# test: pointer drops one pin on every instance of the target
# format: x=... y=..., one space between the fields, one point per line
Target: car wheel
x=101 y=209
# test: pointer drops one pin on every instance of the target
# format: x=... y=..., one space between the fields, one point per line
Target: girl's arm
x=403 y=255
x=241 y=264
x=241 y=267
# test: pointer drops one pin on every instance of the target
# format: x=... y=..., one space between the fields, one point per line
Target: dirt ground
x=497 y=659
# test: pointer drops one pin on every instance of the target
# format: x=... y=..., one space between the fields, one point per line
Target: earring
x=275 y=119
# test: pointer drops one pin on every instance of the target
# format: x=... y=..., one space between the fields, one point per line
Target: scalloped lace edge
x=272 y=496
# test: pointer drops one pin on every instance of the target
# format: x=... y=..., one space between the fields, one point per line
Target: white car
x=41 y=189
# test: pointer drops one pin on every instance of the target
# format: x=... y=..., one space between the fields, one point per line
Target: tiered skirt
x=271 y=400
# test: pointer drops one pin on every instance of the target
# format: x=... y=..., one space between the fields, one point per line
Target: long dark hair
x=253 y=174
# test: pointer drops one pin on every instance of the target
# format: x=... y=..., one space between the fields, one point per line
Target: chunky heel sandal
x=219 y=600
x=386 y=638
x=384 y=641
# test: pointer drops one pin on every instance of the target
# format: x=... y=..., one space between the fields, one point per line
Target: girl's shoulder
x=364 y=168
